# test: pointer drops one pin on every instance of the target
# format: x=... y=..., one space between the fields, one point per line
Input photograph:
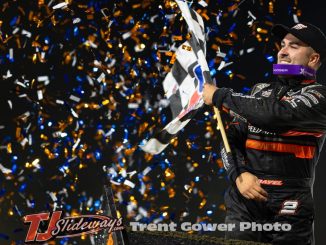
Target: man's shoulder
x=316 y=89
x=315 y=85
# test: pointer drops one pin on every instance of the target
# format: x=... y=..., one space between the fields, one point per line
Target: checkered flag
x=183 y=85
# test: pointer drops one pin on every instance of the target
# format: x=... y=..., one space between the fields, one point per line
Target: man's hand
x=249 y=186
x=208 y=92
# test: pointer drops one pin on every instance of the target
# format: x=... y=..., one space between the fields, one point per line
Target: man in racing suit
x=276 y=136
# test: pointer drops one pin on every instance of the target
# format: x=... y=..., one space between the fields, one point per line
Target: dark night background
x=77 y=174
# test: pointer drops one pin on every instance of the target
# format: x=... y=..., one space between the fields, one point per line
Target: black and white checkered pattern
x=184 y=83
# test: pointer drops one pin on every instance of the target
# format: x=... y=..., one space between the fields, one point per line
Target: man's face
x=294 y=51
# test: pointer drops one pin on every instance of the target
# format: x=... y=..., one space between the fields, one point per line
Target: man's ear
x=314 y=59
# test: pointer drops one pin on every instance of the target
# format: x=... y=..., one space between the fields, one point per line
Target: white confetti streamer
x=5 y=170
x=39 y=95
x=129 y=183
x=203 y=3
x=60 y=5
x=74 y=98
x=26 y=33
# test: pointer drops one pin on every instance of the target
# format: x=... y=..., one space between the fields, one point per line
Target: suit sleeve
x=234 y=162
x=304 y=111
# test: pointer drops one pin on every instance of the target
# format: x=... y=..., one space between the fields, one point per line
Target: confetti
x=82 y=89
x=5 y=170
x=60 y=5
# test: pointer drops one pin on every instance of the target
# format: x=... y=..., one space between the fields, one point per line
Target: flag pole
x=221 y=128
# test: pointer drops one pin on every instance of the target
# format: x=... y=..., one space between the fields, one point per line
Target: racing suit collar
x=294 y=81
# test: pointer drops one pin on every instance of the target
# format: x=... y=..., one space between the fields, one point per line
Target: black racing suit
x=277 y=134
